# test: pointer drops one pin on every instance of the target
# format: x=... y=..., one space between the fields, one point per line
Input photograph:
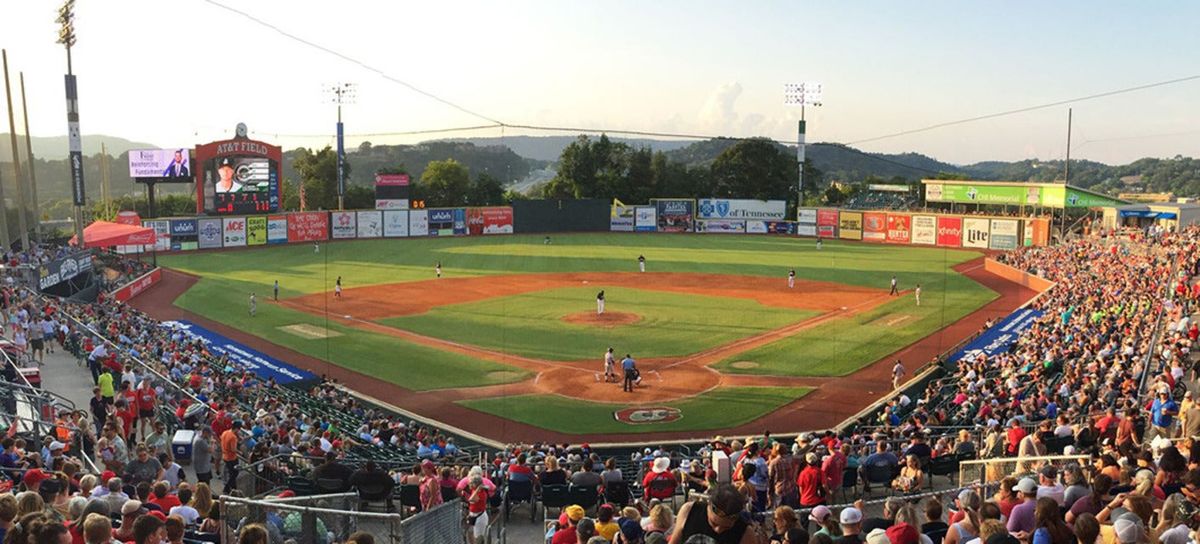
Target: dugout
x=559 y=215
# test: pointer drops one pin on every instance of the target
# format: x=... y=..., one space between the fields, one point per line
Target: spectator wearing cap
x=431 y=489
x=130 y=512
x=850 y=520
x=968 y=528
x=34 y=478
x=826 y=522
x=834 y=466
x=1021 y=520
x=719 y=517
x=585 y=530
x=567 y=533
x=1162 y=415
x=659 y=482
x=811 y=482
x=1128 y=529
x=1048 y=485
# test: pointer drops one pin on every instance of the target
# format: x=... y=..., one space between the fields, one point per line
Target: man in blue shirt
x=631 y=372
x=1162 y=415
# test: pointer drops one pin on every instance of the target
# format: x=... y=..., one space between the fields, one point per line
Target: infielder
x=791 y=278
x=253 y=305
x=600 y=302
x=337 y=288
x=917 y=293
x=276 y=290
x=818 y=242
x=894 y=290
x=610 y=363
x=437 y=269
x=641 y=263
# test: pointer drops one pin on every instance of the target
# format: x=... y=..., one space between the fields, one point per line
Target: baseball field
x=508 y=343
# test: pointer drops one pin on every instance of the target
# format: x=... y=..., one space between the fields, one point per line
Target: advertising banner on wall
x=498 y=220
x=924 y=229
x=395 y=223
x=256 y=230
x=718 y=226
x=806 y=216
x=460 y=221
x=277 y=231
x=343 y=225
x=162 y=234
x=827 y=221
x=1000 y=337
x=756 y=227
x=209 y=233
x=975 y=193
x=183 y=235
x=233 y=231
x=1004 y=234
x=874 y=226
x=370 y=224
x=899 y=228
x=60 y=270
x=850 y=225
x=806 y=230
x=675 y=214
x=949 y=231
x=418 y=223
x=975 y=232
x=644 y=219
x=730 y=208
x=308 y=226
x=441 y=222
x=781 y=227
x=622 y=217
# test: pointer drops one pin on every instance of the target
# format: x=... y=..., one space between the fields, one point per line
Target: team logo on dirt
x=647 y=415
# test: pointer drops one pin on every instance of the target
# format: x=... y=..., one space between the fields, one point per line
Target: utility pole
x=1066 y=179
x=105 y=196
x=66 y=36
x=801 y=94
x=37 y=208
x=16 y=158
x=341 y=93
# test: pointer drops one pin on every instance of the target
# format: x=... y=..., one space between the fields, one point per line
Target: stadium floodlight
x=809 y=93
x=66 y=37
x=341 y=93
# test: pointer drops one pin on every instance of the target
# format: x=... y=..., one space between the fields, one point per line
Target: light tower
x=801 y=94
x=341 y=93
x=66 y=36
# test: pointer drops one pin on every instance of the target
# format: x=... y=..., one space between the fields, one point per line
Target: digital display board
x=238 y=177
x=161 y=165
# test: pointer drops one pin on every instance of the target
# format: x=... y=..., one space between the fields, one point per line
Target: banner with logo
x=975 y=232
x=370 y=224
x=441 y=222
x=243 y=356
x=162 y=234
x=1040 y=229
x=622 y=218
x=731 y=208
x=827 y=221
x=756 y=227
x=644 y=219
x=418 y=222
x=343 y=225
x=949 y=231
x=1004 y=234
x=460 y=221
x=806 y=230
x=256 y=230
x=924 y=229
x=497 y=220
x=974 y=193
x=64 y=269
x=308 y=226
x=676 y=214
x=137 y=286
x=719 y=226
x=874 y=226
x=395 y=223
x=234 y=231
x=277 y=229
x=899 y=228
x=1000 y=337
x=780 y=227
x=806 y=216
x=210 y=233
x=850 y=225
x=183 y=235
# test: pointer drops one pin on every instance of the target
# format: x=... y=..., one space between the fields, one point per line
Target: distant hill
x=55 y=147
x=548 y=148
x=500 y=162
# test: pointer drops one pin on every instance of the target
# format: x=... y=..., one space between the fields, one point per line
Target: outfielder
x=253 y=305
x=600 y=302
x=791 y=278
x=316 y=247
x=437 y=269
x=641 y=263
x=917 y=293
x=610 y=363
x=337 y=288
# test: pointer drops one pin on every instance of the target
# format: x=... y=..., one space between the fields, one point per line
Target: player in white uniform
x=337 y=288
x=917 y=293
x=642 y=263
x=437 y=269
x=897 y=373
x=791 y=278
x=610 y=361
x=600 y=303
x=253 y=305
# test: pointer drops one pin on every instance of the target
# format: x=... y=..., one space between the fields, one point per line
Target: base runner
x=610 y=363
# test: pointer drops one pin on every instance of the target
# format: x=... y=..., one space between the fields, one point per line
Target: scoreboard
x=238 y=177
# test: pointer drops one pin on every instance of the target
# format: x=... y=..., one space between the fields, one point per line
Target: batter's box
x=312 y=332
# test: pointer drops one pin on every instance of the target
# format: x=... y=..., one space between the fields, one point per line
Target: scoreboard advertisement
x=237 y=177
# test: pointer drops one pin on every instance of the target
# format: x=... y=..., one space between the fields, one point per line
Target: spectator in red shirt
x=660 y=482
x=127 y=414
x=520 y=471
x=811 y=482
x=1015 y=434
x=163 y=498
x=147 y=399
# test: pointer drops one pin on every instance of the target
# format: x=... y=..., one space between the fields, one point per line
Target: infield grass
x=720 y=408
x=531 y=324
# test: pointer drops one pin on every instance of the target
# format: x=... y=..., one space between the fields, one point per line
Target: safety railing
x=982 y=471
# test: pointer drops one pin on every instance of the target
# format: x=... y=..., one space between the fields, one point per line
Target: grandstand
x=880 y=196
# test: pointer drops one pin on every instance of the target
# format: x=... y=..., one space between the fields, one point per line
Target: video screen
x=241 y=185
x=167 y=164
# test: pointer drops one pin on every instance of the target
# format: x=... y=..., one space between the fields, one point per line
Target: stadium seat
x=331 y=485
x=555 y=496
x=375 y=493
x=880 y=475
x=301 y=486
x=586 y=496
x=617 y=493
x=946 y=465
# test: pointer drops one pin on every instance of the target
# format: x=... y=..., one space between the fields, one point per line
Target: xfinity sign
x=725 y=208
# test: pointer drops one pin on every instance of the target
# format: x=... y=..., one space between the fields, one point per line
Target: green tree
x=485 y=190
x=445 y=184
x=359 y=197
x=318 y=173
x=755 y=168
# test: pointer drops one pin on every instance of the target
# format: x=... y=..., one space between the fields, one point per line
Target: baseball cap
x=850 y=516
x=34 y=477
x=819 y=514
x=878 y=536
x=903 y=533
x=1026 y=485
x=131 y=507
x=574 y=512
x=1129 y=531
x=225 y=162
x=1003 y=538
x=106 y=476
x=1050 y=472
x=812 y=458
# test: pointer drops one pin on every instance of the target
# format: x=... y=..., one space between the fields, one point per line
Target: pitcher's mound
x=606 y=319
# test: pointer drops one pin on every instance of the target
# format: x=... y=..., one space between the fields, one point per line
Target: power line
x=385 y=134
x=1028 y=109
x=352 y=60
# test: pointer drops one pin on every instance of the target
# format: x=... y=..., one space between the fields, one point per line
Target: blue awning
x=1148 y=214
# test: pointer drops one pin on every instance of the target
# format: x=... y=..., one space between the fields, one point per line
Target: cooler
x=181 y=446
x=720 y=464
x=33 y=375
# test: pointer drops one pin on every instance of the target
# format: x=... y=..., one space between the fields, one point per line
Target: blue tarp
x=260 y=363
x=1001 y=337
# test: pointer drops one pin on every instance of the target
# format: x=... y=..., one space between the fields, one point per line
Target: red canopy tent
x=106 y=234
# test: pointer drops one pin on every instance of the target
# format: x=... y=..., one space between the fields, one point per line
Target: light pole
x=66 y=36
x=801 y=94
x=341 y=93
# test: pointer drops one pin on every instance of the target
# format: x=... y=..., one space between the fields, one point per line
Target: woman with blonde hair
x=202 y=499
x=29 y=502
x=1170 y=522
x=911 y=477
x=553 y=475
x=659 y=520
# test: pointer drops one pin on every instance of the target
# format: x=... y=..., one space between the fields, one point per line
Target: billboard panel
x=850 y=225
x=183 y=227
x=57 y=271
x=418 y=223
x=1004 y=234
x=370 y=224
x=307 y=226
x=780 y=227
x=171 y=164
x=731 y=208
x=970 y=193
x=806 y=216
x=395 y=223
x=899 y=228
x=806 y=230
x=949 y=231
x=827 y=221
x=460 y=221
x=256 y=230
x=756 y=227
x=874 y=226
x=391 y=191
x=676 y=214
x=343 y=225
x=233 y=231
x=644 y=219
x=975 y=232
x=497 y=220
x=277 y=229
x=237 y=177
x=718 y=226
x=209 y=233
x=924 y=229
x=441 y=222
x=622 y=217
x=162 y=234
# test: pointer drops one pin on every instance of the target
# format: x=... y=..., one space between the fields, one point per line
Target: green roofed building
x=1015 y=193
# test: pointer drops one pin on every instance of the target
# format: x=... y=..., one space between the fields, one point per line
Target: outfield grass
x=720 y=408
x=531 y=324
x=390 y=359
x=841 y=346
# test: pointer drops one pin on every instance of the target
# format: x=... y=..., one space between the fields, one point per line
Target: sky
x=182 y=72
